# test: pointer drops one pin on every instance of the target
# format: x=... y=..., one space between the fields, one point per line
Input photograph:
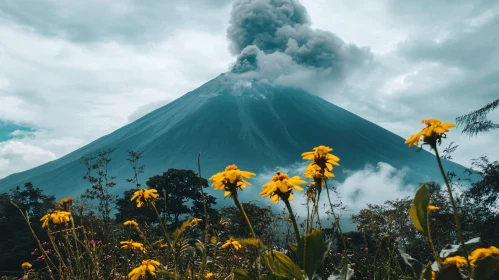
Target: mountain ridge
x=251 y=123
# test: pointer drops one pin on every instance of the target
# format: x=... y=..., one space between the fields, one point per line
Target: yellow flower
x=148 y=267
x=209 y=275
x=132 y=245
x=65 y=203
x=143 y=196
x=232 y=242
x=131 y=223
x=433 y=208
x=431 y=133
x=231 y=180
x=26 y=265
x=196 y=221
x=481 y=253
x=55 y=217
x=455 y=261
x=281 y=187
x=321 y=165
x=433 y=275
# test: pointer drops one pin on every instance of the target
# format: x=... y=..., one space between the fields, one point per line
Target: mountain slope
x=249 y=123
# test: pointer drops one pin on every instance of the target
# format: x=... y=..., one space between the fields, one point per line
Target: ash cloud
x=262 y=30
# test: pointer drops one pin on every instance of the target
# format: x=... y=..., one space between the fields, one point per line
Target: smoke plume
x=267 y=32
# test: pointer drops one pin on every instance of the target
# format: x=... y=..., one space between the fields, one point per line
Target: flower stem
x=163 y=226
x=336 y=219
x=292 y=217
x=454 y=210
x=206 y=223
x=42 y=250
x=435 y=254
x=236 y=201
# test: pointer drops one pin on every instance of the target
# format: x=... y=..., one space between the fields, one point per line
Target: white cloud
x=370 y=185
x=374 y=185
x=16 y=155
x=74 y=91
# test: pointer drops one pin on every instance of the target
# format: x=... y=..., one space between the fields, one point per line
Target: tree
x=101 y=183
x=17 y=241
x=127 y=210
x=482 y=200
x=133 y=158
x=180 y=194
x=476 y=121
x=262 y=220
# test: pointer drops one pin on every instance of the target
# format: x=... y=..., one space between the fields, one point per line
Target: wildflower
x=321 y=163
x=232 y=242
x=55 y=217
x=132 y=245
x=481 y=253
x=196 y=221
x=148 y=267
x=143 y=196
x=131 y=223
x=432 y=208
x=455 y=261
x=433 y=132
x=26 y=265
x=65 y=203
x=433 y=275
x=209 y=275
x=231 y=180
x=281 y=187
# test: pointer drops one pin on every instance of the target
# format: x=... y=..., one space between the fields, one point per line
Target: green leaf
x=281 y=265
x=242 y=274
x=486 y=269
x=419 y=209
x=272 y=277
x=252 y=242
x=311 y=251
x=293 y=248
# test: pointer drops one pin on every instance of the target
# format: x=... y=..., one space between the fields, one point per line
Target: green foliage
x=419 y=209
x=17 y=241
x=476 y=121
x=179 y=189
x=311 y=252
x=281 y=265
x=100 y=181
x=261 y=217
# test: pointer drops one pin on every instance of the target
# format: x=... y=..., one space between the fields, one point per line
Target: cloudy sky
x=73 y=72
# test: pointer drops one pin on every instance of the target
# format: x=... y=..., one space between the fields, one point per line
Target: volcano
x=251 y=123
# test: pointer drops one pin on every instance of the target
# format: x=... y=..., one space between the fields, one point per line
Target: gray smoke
x=283 y=26
x=246 y=60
